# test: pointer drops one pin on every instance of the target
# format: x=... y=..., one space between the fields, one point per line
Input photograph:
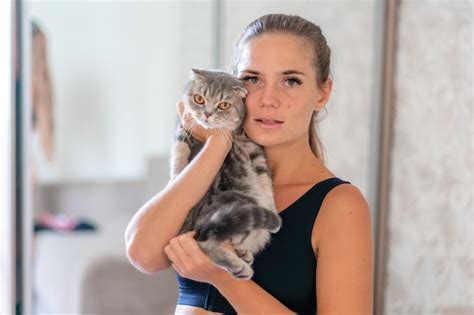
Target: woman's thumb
x=180 y=107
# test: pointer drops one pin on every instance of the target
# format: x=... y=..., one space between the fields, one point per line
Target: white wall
x=118 y=69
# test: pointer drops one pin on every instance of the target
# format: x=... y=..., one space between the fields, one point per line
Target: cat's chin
x=206 y=125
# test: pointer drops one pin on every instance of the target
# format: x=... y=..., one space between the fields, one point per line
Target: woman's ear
x=324 y=94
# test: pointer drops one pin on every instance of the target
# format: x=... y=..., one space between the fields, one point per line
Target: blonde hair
x=312 y=34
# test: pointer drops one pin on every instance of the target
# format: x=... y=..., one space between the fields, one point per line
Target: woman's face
x=283 y=92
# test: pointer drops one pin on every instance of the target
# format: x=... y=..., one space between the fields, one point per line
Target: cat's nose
x=207 y=114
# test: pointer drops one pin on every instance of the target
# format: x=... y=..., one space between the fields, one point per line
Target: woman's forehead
x=276 y=52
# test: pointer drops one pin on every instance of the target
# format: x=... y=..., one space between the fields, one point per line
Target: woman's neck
x=293 y=164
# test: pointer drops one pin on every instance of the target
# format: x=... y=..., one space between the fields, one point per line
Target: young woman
x=321 y=260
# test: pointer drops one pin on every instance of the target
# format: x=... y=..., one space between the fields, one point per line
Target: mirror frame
x=7 y=160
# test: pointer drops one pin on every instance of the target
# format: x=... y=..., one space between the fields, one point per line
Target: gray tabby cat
x=239 y=206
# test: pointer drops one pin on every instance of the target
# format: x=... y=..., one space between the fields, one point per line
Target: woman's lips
x=269 y=123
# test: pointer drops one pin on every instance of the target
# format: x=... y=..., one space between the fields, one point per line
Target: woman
x=284 y=62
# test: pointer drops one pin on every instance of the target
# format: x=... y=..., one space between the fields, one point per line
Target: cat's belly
x=192 y=310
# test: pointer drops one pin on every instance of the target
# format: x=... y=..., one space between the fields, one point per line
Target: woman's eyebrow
x=293 y=72
x=250 y=71
x=286 y=72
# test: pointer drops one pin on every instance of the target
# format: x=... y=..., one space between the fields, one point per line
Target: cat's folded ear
x=196 y=74
x=241 y=91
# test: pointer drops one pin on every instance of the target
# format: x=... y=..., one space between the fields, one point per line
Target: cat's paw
x=244 y=273
x=275 y=223
x=245 y=254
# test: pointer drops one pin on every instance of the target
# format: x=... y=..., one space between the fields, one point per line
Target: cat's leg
x=236 y=219
x=260 y=167
x=180 y=153
x=180 y=158
x=266 y=199
x=226 y=259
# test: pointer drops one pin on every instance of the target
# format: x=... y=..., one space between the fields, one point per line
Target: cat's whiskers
x=189 y=131
x=187 y=134
x=193 y=127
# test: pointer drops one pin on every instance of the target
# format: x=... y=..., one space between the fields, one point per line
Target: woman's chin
x=265 y=140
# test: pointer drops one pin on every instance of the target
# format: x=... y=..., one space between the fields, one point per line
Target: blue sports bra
x=285 y=268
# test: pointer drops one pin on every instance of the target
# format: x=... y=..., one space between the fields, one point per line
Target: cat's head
x=215 y=99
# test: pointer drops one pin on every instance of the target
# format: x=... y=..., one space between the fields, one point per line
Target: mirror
x=114 y=72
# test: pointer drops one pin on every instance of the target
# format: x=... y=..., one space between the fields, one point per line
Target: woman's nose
x=270 y=96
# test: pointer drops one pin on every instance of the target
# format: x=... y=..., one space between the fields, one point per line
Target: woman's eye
x=293 y=82
x=252 y=80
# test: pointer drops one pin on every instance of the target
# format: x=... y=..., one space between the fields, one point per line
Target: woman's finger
x=187 y=121
x=185 y=260
x=180 y=108
x=177 y=253
x=178 y=270
x=172 y=255
x=191 y=246
x=186 y=118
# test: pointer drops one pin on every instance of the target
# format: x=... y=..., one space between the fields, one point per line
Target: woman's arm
x=345 y=253
x=245 y=296
x=161 y=218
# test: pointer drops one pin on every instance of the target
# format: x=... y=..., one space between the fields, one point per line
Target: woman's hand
x=199 y=132
x=190 y=262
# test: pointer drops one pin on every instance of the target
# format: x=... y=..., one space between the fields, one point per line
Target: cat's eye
x=198 y=99
x=224 y=106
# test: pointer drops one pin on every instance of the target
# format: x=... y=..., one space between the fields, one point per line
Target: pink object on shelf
x=60 y=222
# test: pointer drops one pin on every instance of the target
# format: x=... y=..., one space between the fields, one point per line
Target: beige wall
x=430 y=267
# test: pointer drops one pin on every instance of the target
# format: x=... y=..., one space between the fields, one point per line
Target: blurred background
x=97 y=83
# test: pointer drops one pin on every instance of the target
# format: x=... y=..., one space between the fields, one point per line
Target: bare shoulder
x=344 y=209
x=344 y=251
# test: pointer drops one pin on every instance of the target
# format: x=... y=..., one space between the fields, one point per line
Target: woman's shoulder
x=344 y=194
x=343 y=208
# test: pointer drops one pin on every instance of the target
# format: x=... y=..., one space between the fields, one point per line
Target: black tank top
x=286 y=268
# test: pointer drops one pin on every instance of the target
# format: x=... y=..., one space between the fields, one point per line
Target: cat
x=238 y=207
